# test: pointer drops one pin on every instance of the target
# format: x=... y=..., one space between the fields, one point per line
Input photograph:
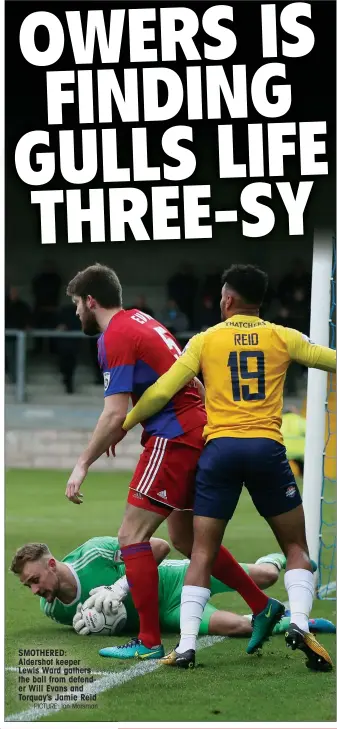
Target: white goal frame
x=317 y=390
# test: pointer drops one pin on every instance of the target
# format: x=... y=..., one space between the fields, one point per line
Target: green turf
x=228 y=685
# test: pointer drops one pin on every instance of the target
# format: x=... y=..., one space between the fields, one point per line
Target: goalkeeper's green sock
x=279 y=560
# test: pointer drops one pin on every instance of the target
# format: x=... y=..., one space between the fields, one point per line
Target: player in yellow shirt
x=243 y=362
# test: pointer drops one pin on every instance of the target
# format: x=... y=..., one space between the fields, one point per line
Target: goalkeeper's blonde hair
x=28 y=553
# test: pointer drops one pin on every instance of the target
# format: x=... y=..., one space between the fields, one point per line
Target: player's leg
x=289 y=529
x=142 y=575
x=225 y=569
x=181 y=468
x=219 y=467
x=276 y=496
x=218 y=488
x=154 y=491
x=208 y=533
x=211 y=513
x=229 y=624
x=142 y=517
x=213 y=621
x=264 y=574
x=180 y=529
x=141 y=570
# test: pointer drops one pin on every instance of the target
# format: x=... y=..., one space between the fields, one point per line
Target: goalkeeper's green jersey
x=96 y=562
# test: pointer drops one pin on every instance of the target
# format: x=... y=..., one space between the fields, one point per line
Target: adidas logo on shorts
x=163 y=494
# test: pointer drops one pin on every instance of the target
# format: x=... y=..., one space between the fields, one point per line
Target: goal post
x=317 y=389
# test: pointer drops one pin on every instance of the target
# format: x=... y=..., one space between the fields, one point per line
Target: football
x=105 y=624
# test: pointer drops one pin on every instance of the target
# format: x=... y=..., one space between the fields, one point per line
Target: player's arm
x=108 y=425
x=119 y=356
x=159 y=394
x=109 y=422
x=304 y=352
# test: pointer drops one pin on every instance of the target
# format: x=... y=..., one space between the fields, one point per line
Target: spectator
x=46 y=287
x=18 y=315
x=67 y=347
x=142 y=305
x=297 y=278
x=269 y=302
x=212 y=286
x=209 y=313
x=300 y=312
x=182 y=288
x=98 y=377
x=173 y=319
x=281 y=314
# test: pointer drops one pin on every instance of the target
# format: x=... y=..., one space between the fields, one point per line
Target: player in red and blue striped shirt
x=134 y=350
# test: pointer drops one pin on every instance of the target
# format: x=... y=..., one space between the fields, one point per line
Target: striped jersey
x=243 y=361
x=133 y=352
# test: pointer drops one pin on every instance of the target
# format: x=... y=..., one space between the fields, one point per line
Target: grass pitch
x=227 y=685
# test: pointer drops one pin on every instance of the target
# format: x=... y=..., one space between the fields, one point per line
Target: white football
x=105 y=624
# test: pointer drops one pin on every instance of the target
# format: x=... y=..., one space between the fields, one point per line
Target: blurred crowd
x=192 y=304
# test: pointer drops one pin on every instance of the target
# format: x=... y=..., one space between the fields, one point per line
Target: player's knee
x=133 y=534
x=160 y=548
x=267 y=575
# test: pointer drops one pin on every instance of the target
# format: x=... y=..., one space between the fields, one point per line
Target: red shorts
x=165 y=474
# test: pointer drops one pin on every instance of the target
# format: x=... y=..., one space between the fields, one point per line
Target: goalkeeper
x=80 y=578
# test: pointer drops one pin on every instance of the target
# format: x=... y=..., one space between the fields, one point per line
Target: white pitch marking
x=115 y=679
x=109 y=681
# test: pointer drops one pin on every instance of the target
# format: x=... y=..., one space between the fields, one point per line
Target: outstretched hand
x=74 y=484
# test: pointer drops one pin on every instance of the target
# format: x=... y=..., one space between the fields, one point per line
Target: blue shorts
x=260 y=464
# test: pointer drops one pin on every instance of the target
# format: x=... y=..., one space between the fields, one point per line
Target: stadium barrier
x=21 y=350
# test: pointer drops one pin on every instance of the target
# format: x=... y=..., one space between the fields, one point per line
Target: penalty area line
x=109 y=680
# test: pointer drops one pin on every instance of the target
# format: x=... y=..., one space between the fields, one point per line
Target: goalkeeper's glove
x=78 y=623
x=107 y=598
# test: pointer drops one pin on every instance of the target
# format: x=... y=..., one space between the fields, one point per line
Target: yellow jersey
x=243 y=361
